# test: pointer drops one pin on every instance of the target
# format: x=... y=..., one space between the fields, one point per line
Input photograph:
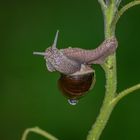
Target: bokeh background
x=28 y=92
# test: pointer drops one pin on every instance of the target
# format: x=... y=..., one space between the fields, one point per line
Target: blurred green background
x=28 y=92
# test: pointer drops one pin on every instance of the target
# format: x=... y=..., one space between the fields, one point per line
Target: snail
x=77 y=76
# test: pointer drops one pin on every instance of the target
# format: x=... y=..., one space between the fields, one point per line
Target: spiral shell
x=76 y=86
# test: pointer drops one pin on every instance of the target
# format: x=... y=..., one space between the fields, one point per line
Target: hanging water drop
x=72 y=101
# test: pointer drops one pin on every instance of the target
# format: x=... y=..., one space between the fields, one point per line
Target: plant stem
x=123 y=10
x=125 y=92
x=111 y=80
x=39 y=131
x=101 y=121
x=111 y=16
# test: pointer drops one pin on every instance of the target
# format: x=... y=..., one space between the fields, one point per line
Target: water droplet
x=72 y=101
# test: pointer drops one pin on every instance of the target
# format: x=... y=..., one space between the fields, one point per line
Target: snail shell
x=75 y=86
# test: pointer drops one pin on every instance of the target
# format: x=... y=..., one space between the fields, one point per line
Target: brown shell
x=73 y=87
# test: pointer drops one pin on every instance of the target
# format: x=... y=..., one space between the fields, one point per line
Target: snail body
x=93 y=56
x=74 y=66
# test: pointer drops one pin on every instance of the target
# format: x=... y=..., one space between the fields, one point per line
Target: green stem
x=111 y=16
x=102 y=3
x=107 y=107
x=123 y=10
x=39 y=131
x=125 y=92
x=111 y=80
